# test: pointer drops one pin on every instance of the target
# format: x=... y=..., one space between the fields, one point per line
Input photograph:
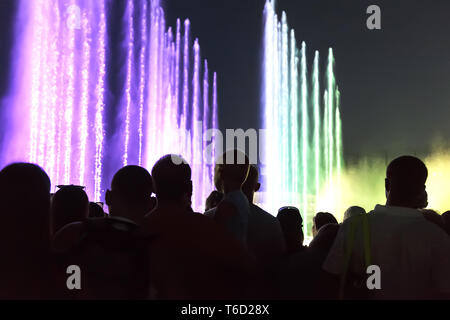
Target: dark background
x=394 y=82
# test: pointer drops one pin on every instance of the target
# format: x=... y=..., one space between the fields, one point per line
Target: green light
x=302 y=150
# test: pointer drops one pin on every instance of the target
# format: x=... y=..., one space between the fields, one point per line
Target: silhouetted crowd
x=61 y=246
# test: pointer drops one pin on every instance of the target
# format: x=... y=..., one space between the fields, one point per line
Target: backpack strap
x=348 y=248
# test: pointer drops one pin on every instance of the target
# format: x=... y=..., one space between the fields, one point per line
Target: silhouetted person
x=233 y=211
x=191 y=257
x=299 y=276
x=69 y=204
x=113 y=259
x=324 y=238
x=95 y=210
x=411 y=252
x=321 y=219
x=213 y=200
x=405 y=183
x=265 y=237
x=446 y=219
x=130 y=194
x=292 y=225
x=353 y=211
x=24 y=212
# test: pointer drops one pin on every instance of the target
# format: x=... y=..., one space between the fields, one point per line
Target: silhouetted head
x=325 y=237
x=251 y=185
x=95 y=210
x=405 y=183
x=213 y=200
x=231 y=171
x=353 y=211
x=321 y=219
x=172 y=177
x=25 y=204
x=292 y=225
x=130 y=194
x=69 y=204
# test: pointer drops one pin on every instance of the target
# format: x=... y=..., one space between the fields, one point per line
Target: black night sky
x=395 y=82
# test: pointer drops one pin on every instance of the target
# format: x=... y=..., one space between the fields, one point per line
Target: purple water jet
x=61 y=103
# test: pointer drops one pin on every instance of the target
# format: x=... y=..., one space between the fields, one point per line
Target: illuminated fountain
x=303 y=158
x=62 y=106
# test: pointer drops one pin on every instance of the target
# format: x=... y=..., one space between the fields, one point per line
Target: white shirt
x=413 y=254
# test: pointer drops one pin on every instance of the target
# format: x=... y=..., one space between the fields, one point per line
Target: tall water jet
x=303 y=126
x=330 y=95
x=317 y=125
x=58 y=92
x=62 y=107
x=304 y=152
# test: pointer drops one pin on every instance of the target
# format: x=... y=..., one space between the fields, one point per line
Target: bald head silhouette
x=172 y=177
x=405 y=182
x=69 y=204
x=130 y=194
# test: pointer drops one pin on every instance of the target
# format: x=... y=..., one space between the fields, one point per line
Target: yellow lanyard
x=357 y=220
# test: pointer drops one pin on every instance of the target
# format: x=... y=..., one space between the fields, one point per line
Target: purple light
x=177 y=63
x=83 y=128
x=129 y=78
x=186 y=69
x=62 y=103
x=206 y=121
x=142 y=77
x=44 y=100
x=99 y=108
x=38 y=22
x=151 y=156
x=69 y=50
x=215 y=123
x=197 y=139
